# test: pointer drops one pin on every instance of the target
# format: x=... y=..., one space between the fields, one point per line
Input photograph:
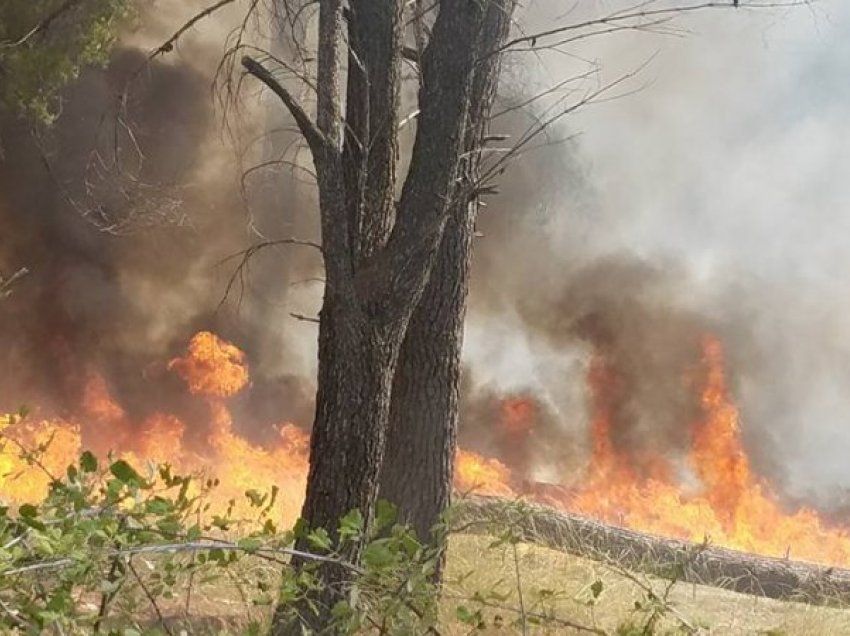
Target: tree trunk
x=374 y=275
x=419 y=464
x=422 y=438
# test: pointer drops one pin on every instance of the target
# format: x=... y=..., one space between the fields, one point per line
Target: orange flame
x=730 y=504
x=212 y=366
x=213 y=370
x=732 y=507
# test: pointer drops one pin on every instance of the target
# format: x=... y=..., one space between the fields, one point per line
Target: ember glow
x=719 y=497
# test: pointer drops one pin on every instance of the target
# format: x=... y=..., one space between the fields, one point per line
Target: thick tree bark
x=374 y=275
x=362 y=326
x=418 y=467
x=422 y=438
x=375 y=31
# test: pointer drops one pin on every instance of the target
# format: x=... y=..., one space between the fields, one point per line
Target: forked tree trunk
x=418 y=465
x=375 y=272
x=422 y=439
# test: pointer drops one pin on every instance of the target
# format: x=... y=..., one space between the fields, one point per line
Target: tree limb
x=43 y=25
x=637 y=15
x=168 y=45
x=684 y=561
x=314 y=137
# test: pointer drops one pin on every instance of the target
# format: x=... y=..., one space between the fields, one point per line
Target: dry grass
x=711 y=610
x=474 y=566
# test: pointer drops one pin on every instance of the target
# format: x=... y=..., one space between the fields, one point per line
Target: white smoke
x=726 y=162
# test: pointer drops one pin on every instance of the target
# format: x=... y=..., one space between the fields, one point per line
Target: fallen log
x=672 y=559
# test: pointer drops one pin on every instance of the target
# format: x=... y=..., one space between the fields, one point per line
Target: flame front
x=731 y=506
x=727 y=503
x=213 y=371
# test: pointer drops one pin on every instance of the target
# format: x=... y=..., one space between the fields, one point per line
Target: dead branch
x=304 y=318
x=43 y=25
x=168 y=45
x=6 y=283
x=699 y=563
x=643 y=14
x=266 y=552
x=315 y=138
x=245 y=257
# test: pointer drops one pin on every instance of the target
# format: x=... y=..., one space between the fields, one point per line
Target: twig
x=17 y=620
x=149 y=596
x=191 y=546
x=304 y=318
x=315 y=138
x=168 y=45
x=520 y=600
x=246 y=255
x=6 y=283
x=638 y=15
x=541 y=617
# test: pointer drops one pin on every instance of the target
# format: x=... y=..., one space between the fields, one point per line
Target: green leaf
x=469 y=617
x=256 y=498
x=250 y=544
x=596 y=588
x=28 y=511
x=385 y=515
x=320 y=539
x=88 y=462
x=351 y=525
x=378 y=554
x=125 y=473
x=158 y=506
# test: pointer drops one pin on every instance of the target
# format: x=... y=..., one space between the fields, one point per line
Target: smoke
x=126 y=218
x=702 y=200
x=705 y=200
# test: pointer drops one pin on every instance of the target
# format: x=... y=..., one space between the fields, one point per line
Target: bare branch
x=43 y=25
x=245 y=257
x=304 y=318
x=168 y=45
x=6 y=283
x=621 y=16
x=315 y=138
x=149 y=596
x=189 y=546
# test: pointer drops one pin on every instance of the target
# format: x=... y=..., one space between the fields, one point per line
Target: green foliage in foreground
x=45 y=43
x=111 y=550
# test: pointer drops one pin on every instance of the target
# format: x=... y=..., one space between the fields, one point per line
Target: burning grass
x=720 y=498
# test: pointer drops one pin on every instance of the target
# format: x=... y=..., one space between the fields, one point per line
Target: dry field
x=475 y=566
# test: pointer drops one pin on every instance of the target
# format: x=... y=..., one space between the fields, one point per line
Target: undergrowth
x=120 y=550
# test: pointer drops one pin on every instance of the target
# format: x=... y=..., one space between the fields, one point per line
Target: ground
x=218 y=609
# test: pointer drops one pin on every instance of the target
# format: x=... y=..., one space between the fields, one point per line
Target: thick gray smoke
x=125 y=219
x=704 y=199
x=709 y=200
